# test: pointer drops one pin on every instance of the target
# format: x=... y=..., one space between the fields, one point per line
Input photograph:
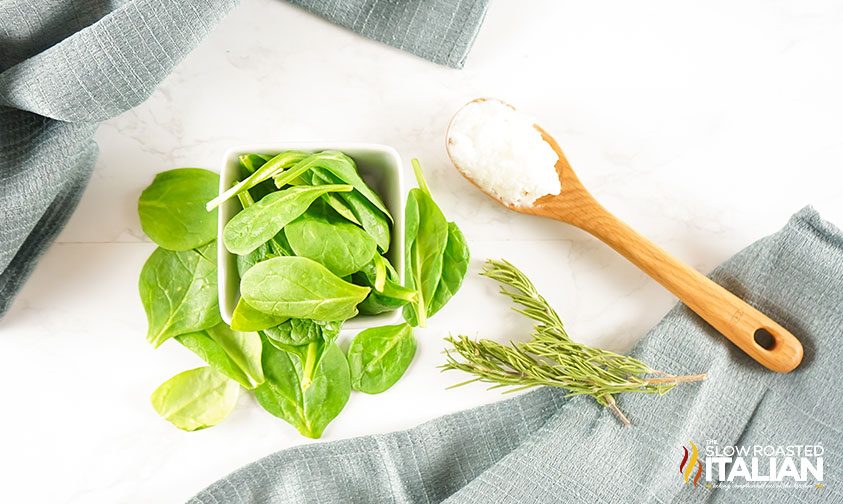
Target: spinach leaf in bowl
x=342 y=167
x=367 y=214
x=247 y=318
x=260 y=174
x=246 y=261
x=256 y=224
x=249 y=163
x=298 y=287
x=322 y=235
x=387 y=292
x=276 y=246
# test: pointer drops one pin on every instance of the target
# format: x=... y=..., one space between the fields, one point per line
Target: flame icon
x=689 y=461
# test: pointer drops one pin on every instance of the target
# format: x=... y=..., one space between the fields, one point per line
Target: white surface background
x=704 y=125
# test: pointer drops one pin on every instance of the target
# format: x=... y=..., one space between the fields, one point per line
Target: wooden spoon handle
x=753 y=332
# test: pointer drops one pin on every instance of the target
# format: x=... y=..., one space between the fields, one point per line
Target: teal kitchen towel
x=67 y=65
x=543 y=448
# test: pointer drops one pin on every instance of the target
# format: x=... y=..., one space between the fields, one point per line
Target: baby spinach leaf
x=298 y=287
x=196 y=399
x=379 y=356
x=275 y=247
x=347 y=172
x=341 y=167
x=257 y=223
x=379 y=263
x=281 y=393
x=275 y=165
x=179 y=292
x=341 y=207
x=172 y=209
x=311 y=354
x=377 y=303
x=280 y=245
x=249 y=163
x=331 y=199
x=426 y=235
x=211 y=352
x=391 y=296
x=246 y=261
x=262 y=253
x=233 y=353
x=310 y=409
x=296 y=332
x=322 y=235
x=330 y=329
x=307 y=340
x=454 y=267
x=244 y=348
x=247 y=318
x=246 y=199
x=288 y=334
x=377 y=272
x=369 y=217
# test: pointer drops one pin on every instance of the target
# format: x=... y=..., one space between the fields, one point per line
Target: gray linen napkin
x=544 y=448
x=67 y=65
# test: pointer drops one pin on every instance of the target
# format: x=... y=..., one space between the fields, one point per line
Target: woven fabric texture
x=542 y=448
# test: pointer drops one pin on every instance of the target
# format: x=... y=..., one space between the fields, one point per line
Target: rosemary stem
x=669 y=379
x=613 y=406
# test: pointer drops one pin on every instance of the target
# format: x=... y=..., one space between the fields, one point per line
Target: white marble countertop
x=703 y=125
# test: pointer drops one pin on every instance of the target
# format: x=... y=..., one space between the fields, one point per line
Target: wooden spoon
x=753 y=332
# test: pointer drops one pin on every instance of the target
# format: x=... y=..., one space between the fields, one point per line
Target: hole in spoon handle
x=758 y=335
x=776 y=348
x=764 y=339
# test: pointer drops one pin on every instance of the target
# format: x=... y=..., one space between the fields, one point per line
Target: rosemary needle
x=551 y=358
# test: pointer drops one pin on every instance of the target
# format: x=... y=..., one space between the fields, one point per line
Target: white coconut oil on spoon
x=497 y=148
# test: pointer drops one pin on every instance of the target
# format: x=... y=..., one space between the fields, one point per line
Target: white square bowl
x=379 y=165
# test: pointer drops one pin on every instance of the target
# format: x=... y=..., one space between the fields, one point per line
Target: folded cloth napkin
x=67 y=65
x=543 y=448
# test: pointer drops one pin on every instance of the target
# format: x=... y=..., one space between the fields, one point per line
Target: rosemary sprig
x=551 y=358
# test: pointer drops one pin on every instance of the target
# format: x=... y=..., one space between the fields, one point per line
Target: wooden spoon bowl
x=753 y=332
